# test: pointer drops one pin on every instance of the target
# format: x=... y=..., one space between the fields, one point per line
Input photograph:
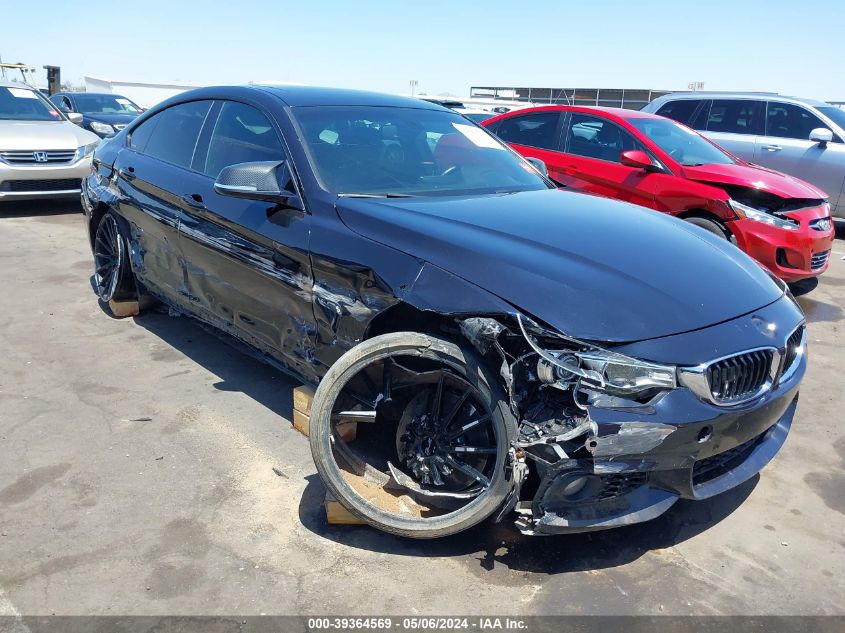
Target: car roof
x=73 y=93
x=762 y=96
x=296 y=96
x=618 y=113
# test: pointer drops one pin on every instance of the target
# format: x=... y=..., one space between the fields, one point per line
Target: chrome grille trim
x=740 y=377
x=796 y=348
x=746 y=375
x=818 y=260
x=27 y=157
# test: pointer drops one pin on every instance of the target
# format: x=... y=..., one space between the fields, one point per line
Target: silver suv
x=799 y=137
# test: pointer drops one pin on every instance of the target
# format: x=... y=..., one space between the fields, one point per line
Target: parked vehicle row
x=782 y=222
x=799 y=137
x=505 y=347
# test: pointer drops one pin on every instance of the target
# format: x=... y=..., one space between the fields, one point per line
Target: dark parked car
x=103 y=113
x=499 y=344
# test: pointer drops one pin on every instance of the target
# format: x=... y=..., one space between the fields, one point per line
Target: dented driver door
x=247 y=262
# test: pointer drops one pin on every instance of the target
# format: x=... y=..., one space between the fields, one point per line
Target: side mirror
x=538 y=164
x=822 y=136
x=635 y=158
x=74 y=117
x=265 y=180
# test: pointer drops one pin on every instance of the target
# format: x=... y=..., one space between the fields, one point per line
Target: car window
x=369 y=150
x=93 y=103
x=786 y=120
x=837 y=115
x=62 y=101
x=24 y=104
x=699 y=119
x=592 y=137
x=681 y=110
x=242 y=134
x=682 y=144
x=175 y=134
x=736 y=116
x=141 y=134
x=538 y=129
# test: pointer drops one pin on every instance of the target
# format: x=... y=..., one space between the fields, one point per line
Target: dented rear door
x=150 y=174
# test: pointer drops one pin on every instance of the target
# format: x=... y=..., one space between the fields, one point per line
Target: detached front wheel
x=432 y=431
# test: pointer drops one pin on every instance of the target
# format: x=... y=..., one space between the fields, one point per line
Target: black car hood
x=591 y=267
x=111 y=119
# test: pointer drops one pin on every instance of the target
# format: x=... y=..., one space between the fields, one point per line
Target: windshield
x=368 y=150
x=834 y=114
x=24 y=104
x=104 y=104
x=682 y=144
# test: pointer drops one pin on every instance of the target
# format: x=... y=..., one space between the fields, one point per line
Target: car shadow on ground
x=29 y=208
x=501 y=544
x=491 y=544
x=238 y=369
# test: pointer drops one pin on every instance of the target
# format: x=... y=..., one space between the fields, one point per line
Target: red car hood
x=746 y=175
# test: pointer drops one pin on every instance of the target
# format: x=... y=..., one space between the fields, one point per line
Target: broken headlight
x=622 y=375
x=750 y=213
x=600 y=369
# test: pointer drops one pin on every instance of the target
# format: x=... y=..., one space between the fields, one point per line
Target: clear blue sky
x=792 y=47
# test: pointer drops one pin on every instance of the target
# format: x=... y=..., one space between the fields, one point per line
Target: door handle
x=194 y=200
x=126 y=174
x=772 y=148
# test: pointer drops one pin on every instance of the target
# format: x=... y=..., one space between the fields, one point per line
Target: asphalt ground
x=137 y=476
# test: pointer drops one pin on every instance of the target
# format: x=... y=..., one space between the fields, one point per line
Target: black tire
x=113 y=277
x=710 y=226
x=459 y=362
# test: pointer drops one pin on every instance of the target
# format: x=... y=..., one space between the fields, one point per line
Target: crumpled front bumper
x=678 y=446
x=671 y=471
x=791 y=255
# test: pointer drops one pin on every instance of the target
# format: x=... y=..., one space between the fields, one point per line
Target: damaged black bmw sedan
x=484 y=344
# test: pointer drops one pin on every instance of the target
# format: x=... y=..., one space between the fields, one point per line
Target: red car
x=782 y=222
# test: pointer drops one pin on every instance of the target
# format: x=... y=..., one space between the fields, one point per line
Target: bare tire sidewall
x=469 y=365
x=710 y=226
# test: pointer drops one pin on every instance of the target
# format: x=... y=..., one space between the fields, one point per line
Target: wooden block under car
x=347 y=430
x=336 y=514
x=302 y=398
x=124 y=308
x=300 y=422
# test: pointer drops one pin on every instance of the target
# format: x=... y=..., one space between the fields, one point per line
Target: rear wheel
x=113 y=278
x=433 y=430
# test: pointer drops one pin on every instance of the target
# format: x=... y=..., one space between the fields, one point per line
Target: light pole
x=413 y=83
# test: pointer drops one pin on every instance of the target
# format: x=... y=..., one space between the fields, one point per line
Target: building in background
x=630 y=98
x=145 y=95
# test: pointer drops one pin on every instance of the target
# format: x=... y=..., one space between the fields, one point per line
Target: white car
x=43 y=154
